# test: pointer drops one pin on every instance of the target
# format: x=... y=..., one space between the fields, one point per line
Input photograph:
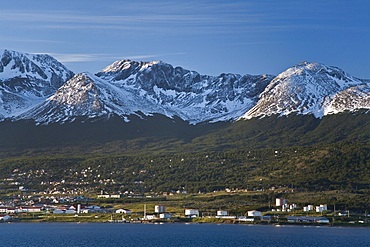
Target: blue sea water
x=105 y=234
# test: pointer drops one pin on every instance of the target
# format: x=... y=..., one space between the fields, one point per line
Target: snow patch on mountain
x=26 y=80
x=187 y=94
x=307 y=88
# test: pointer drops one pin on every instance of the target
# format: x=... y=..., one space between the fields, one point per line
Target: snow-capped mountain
x=311 y=88
x=89 y=96
x=187 y=94
x=40 y=88
x=26 y=80
x=127 y=87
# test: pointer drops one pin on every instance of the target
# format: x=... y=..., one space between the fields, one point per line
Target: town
x=128 y=189
x=80 y=209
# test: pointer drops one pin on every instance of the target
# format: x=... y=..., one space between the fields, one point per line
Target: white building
x=254 y=213
x=222 y=213
x=165 y=216
x=5 y=217
x=149 y=217
x=192 y=213
x=124 y=211
x=321 y=208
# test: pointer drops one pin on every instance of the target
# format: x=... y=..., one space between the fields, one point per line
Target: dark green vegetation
x=341 y=167
x=296 y=153
x=331 y=167
x=160 y=135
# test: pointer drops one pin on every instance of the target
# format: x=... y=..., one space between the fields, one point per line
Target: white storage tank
x=159 y=209
x=280 y=202
x=310 y=207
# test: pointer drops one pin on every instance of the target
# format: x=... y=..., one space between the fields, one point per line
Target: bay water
x=176 y=234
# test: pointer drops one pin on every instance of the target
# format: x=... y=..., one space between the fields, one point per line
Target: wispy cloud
x=155 y=55
x=72 y=58
x=71 y=17
x=75 y=58
x=194 y=17
x=174 y=22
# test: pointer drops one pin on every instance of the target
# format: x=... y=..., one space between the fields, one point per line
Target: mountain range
x=41 y=89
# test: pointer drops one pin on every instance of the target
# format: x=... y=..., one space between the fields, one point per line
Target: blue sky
x=211 y=37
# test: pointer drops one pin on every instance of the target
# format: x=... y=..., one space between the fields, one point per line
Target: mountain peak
x=306 y=88
x=127 y=64
x=122 y=69
x=26 y=79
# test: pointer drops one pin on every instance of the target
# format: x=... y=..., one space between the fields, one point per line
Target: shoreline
x=280 y=224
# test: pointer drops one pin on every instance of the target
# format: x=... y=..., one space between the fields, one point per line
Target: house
x=5 y=217
x=165 y=216
x=254 y=213
x=191 y=213
x=222 y=213
x=123 y=211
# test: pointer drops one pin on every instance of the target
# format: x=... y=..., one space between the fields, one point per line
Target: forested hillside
x=341 y=166
x=161 y=135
